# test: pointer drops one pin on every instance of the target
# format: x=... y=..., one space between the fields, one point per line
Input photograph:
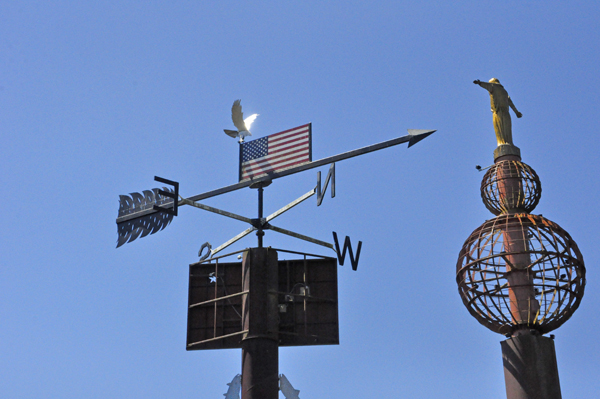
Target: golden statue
x=500 y=101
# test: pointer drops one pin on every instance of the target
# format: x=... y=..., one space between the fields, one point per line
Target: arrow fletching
x=146 y=224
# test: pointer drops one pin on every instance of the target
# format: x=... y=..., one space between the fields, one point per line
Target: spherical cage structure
x=510 y=186
x=520 y=271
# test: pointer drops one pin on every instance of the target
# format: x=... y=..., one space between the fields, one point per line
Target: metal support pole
x=260 y=346
x=523 y=303
x=530 y=368
x=260 y=233
x=258 y=222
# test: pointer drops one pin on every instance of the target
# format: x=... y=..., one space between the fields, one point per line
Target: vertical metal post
x=260 y=346
x=523 y=304
x=530 y=368
x=260 y=233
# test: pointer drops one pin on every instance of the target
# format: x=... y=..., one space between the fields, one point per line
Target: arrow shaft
x=272 y=176
x=307 y=166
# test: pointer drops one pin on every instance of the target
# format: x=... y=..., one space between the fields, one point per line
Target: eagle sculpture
x=242 y=125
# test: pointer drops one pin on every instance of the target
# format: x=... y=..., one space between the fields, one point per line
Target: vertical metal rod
x=523 y=303
x=216 y=296
x=260 y=233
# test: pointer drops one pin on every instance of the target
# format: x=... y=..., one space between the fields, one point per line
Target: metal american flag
x=276 y=152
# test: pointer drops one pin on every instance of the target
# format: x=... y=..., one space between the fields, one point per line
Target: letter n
x=347 y=244
x=321 y=191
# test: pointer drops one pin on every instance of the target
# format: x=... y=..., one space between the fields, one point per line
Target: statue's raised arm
x=500 y=102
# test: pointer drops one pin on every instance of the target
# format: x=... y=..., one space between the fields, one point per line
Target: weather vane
x=260 y=162
x=260 y=303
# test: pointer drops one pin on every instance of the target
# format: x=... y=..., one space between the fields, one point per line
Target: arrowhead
x=418 y=135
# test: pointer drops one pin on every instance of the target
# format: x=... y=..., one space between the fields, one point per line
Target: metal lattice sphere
x=520 y=271
x=510 y=186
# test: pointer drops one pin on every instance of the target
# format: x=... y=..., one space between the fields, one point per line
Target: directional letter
x=342 y=255
x=173 y=195
x=321 y=192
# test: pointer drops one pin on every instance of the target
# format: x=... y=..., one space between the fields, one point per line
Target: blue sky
x=96 y=98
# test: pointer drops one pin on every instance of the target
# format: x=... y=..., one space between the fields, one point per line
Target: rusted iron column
x=530 y=368
x=523 y=304
x=260 y=356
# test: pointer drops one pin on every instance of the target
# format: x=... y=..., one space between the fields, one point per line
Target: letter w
x=342 y=256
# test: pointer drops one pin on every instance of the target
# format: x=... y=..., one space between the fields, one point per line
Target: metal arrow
x=413 y=137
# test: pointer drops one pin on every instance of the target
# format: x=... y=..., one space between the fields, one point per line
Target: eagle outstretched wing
x=238 y=116
x=242 y=125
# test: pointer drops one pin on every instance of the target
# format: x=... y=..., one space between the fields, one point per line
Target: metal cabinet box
x=307 y=298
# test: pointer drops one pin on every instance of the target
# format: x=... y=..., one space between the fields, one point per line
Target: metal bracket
x=263 y=223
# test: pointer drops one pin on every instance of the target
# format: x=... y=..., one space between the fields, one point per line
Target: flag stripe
x=301 y=147
x=266 y=165
x=252 y=167
x=286 y=165
x=276 y=152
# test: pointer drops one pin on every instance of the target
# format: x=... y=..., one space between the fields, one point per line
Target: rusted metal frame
x=562 y=240
x=217 y=299
x=487 y=240
x=495 y=256
x=550 y=240
x=478 y=248
x=495 y=237
x=544 y=237
x=561 y=300
x=544 y=257
x=548 y=307
x=488 y=270
x=507 y=262
x=217 y=338
x=477 y=298
x=506 y=302
x=485 y=294
x=489 y=293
